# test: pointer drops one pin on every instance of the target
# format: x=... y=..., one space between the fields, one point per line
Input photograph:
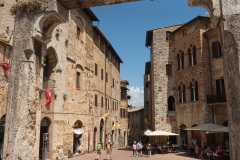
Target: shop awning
x=78 y=130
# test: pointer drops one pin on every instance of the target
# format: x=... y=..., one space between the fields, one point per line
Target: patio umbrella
x=205 y=127
x=147 y=132
x=161 y=133
x=218 y=130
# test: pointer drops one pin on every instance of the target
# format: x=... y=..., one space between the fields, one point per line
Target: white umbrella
x=161 y=133
x=218 y=130
x=205 y=127
x=147 y=132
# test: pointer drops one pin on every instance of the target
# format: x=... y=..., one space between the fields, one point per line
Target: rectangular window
x=216 y=49
x=169 y=69
x=1 y=5
x=96 y=69
x=101 y=101
x=168 y=35
x=113 y=106
x=96 y=100
x=108 y=104
x=101 y=74
x=78 y=33
x=106 y=77
x=113 y=83
x=78 y=80
x=220 y=88
x=184 y=32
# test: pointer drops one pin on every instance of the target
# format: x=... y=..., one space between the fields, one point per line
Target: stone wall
x=72 y=50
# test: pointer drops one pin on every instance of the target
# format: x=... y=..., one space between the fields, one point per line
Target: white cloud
x=207 y=14
x=137 y=96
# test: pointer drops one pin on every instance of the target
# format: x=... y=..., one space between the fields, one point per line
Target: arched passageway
x=183 y=136
x=77 y=136
x=44 y=138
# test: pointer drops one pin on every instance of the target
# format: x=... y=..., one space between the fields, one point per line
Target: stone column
x=230 y=32
x=22 y=126
x=225 y=16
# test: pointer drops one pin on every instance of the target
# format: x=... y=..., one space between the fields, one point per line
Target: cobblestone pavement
x=127 y=155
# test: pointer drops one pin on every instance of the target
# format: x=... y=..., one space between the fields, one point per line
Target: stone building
x=79 y=73
x=159 y=84
x=5 y=50
x=186 y=80
x=135 y=123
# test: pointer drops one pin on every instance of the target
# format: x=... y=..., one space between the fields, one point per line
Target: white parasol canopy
x=218 y=130
x=147 y=132
x=78 y=130
x=205 y=127
x=161 y=133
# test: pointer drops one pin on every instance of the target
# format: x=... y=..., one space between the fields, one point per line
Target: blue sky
x=125 y=26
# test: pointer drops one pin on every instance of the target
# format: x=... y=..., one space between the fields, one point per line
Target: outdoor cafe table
x=174 y=148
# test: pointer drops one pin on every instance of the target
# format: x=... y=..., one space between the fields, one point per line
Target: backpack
x=99 y=147
x=108 y=147
x=148 y=147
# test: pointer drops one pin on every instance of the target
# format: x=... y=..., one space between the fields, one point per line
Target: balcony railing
x=216 y=98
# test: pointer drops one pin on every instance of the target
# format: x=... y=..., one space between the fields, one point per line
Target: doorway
x=77 y=137
x=44 y=139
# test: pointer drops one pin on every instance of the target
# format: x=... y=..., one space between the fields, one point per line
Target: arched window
x=194 y=55
x=191 y=92
x=179 y=62
x=189 y=57
x=171 y=103
x=182 y=60
x=184 y=93
x=196 y=91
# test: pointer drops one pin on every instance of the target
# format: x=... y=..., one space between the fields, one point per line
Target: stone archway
x=183 y=136
x=44 y=138
x=50 y=61
x=77 y=135
x=224 y=15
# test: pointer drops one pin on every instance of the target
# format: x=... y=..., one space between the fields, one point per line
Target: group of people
x=137 y=149
x=209 y=151
x=108 y=150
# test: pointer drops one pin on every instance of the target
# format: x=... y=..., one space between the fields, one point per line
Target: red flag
x=170 y=120
x=6 y=66
x=48 y=96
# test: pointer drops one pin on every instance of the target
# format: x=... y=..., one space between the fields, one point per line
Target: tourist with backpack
x=99 y=149
x=134 y=149
x=109 y=149
x=149 y=150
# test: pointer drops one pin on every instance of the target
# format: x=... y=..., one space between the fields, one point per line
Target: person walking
x=134 y=147
x=149 y=150
x=109 y=150
x=139 y=148
x=99 y=149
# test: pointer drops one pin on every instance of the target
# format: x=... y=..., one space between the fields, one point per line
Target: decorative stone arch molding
x=212 y=6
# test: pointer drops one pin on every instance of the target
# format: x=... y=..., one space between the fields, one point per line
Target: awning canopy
x=218 y=130
x=78 y=131
x=161 y=133
x=147 y=131
x=205 y=127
